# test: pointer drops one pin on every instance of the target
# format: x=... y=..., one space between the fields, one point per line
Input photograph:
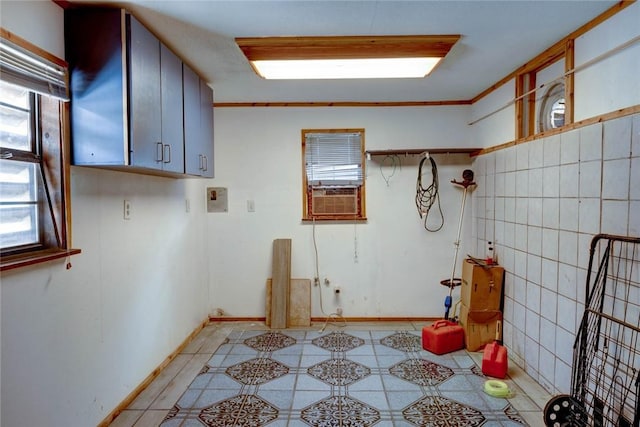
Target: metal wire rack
x=605 y=384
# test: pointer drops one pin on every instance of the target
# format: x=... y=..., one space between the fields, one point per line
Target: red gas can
x=494 y=358
x=443 y=337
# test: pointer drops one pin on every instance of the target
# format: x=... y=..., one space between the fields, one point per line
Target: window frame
x=307 y=188
x=30 y=155
x=527 y=91
x=51 y=153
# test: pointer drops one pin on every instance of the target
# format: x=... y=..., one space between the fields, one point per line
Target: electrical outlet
x=126 y=214
x=316 y=281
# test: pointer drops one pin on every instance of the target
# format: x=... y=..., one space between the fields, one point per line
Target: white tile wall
x=548 y=307
x=535 y=212
x=569 y=214
x=533 y=297
x=634 y=218
x=568 y=249
x=634 y=191
x=550 y=273
x=635 y=136
x=617 y=139
x=551 y=150
x=542 y=206
x=589 y=216
x=550 y=238
x=551 y=213
x=615 y=216
x=590 y=178
x=551 y=181
x=569 y=180
x=591 y=143
x=534 y=240
x=615 y=179
x=570 y=147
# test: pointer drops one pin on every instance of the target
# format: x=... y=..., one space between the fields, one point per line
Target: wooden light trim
x=346 y=47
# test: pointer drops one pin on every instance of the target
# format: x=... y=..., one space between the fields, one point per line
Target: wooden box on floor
x=481 y=287
x=479 y=326
x=299 y=303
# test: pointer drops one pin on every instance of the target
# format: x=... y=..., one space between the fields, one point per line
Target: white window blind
x=21 y=67
x=333 y=159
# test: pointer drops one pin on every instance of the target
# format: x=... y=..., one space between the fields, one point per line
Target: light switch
x=251 y=206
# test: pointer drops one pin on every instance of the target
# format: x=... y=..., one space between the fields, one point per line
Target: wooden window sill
x=334 y=219
x=23 y=260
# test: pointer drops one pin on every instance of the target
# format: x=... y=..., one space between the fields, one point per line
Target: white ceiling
x=497 y=37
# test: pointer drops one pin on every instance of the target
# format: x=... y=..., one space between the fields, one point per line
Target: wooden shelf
x=416 y=151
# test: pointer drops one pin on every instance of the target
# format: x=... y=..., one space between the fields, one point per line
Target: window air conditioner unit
x=334 y=201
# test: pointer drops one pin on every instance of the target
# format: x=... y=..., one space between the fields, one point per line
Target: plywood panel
x=299 y=302
x=281 y=274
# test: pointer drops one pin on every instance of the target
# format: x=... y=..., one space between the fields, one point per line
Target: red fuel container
x=494 y=360
x=443 y=337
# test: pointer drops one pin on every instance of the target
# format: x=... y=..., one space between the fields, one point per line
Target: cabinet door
x=206 y=128
x=145 y=137
x=191 y=85
x=198 y=124
x=172 y=121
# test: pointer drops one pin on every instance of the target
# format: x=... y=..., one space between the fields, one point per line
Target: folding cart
x=605 y=383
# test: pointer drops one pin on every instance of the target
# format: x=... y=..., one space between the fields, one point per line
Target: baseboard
x=235 y=319
x=322 y=319
x=145 y=383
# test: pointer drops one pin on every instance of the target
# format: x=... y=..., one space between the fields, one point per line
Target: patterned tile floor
x=245 y=374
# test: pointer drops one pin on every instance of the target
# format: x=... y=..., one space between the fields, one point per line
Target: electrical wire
x=395 y=162
x=429 y=196
x=317 y=283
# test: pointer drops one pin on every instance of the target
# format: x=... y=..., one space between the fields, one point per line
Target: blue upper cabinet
x=128 y=105
x=198 y=124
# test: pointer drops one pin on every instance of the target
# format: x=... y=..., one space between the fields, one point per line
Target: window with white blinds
x=333 y=159
x=333 y=174
x=33 y=173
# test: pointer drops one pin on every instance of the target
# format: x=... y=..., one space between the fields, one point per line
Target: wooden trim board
x=281 y=273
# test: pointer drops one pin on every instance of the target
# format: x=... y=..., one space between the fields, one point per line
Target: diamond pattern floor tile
x=337 y=378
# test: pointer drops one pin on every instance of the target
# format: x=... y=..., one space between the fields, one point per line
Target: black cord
x=427 y=197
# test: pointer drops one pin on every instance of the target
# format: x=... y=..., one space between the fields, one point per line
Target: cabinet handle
x=206 y=163
x=200 y=161
x=167 y=149
x=159 y=151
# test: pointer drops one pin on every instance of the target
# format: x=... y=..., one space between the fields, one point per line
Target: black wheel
x=563 y=411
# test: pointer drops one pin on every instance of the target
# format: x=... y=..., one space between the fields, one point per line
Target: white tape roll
x=496 y=388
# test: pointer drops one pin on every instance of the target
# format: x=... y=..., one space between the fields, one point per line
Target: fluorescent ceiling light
x=345 y=57
x=372 y=68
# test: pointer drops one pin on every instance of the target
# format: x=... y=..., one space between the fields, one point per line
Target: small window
x=20 y=219
x=33 y=173
x=333 y=174
x=552 y=108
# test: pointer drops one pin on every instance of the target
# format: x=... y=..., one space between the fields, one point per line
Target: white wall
x=547 y=198
x=76 y=342
x=612 y=83
x=399 y=265
x=493 y=117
